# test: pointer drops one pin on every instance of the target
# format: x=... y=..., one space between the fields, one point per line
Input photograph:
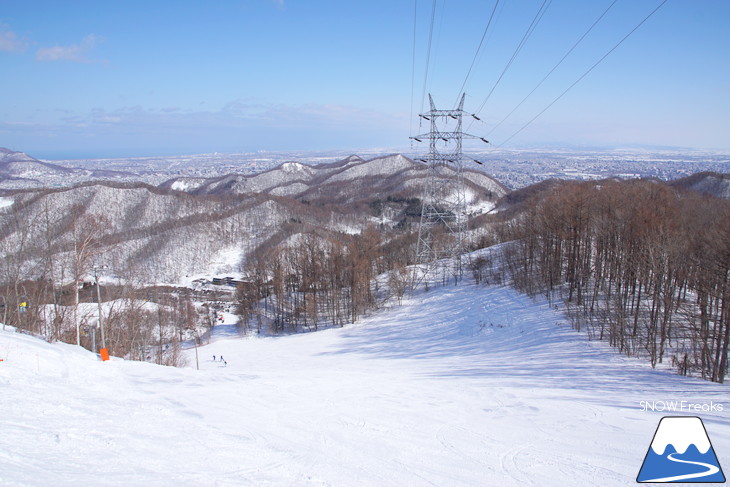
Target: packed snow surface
x=459 y=386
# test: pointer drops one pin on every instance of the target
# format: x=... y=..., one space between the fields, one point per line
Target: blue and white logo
x=681 y=452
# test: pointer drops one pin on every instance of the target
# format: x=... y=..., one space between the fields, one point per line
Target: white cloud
x=9 y=41
x=78 y=53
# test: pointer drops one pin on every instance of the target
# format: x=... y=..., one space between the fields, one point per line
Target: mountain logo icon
x=681 y=452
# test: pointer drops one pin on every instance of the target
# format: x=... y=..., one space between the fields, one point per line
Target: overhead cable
x=428 y=54
x=479 y=48
x=413 y=62
x=554 y=67
x=584 y=74
x=525 y=37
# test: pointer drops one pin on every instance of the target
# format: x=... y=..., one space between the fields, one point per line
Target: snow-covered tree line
x=641 y=265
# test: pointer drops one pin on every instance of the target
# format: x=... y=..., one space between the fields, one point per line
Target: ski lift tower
x=443 y=224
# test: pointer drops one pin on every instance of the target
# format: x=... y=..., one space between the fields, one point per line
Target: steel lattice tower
x=443 y=224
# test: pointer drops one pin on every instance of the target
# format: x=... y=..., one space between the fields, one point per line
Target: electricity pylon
x=443 y=224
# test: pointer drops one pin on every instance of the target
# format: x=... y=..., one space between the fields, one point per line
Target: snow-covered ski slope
x=460 y=386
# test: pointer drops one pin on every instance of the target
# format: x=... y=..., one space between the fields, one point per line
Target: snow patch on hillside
x=226 y=261
x=475 y=205
x=185 y=185
x=293 y=167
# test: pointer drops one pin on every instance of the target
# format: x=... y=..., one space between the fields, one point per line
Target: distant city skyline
x=126 y=79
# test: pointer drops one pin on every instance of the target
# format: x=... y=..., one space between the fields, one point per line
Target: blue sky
x=135 y=78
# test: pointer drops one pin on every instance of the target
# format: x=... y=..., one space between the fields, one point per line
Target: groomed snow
x=460 y=386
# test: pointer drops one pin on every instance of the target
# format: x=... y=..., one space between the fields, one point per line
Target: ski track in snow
x=459 y=386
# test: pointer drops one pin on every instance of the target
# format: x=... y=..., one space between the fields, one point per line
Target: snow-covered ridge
x=293 y=179
x=7 y=155
x=18 y=170
x=164 y=235
x=20 y=165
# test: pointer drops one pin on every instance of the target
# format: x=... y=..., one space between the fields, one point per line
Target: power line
x=586 y=73
x=554 y=67
x=525 y=37
x=476 y=54
x=428 y=53
x=413 y=63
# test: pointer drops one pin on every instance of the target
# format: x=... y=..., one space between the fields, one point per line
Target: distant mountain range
x=351 y=179
x=176 y=229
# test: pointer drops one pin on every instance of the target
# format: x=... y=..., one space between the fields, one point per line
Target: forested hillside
x=639 y=264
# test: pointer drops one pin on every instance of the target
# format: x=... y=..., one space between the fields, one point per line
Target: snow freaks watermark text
x=681 y=406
